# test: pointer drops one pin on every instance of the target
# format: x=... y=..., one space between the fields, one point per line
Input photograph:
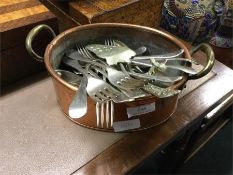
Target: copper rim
x=49 y=48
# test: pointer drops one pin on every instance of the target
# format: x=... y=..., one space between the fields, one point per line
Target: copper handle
x=210 y=60
x=30 y=37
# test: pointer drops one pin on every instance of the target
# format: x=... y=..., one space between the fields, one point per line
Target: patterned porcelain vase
x=223 y=37
x=193 y=20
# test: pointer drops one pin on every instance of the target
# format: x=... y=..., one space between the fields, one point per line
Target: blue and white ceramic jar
x=224 y=36
x=193 y=20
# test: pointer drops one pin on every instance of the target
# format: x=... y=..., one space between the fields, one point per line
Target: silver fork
x=136 y=92
x=100 y=116
x=107 y=105
x=119 y=52
x=84 y=52
x=143 y=77
x=97 y=88
x=117 y=78
x=99 y=105
x=107 y=116
x=126 y=84
x=101 y=92
x=155 y=90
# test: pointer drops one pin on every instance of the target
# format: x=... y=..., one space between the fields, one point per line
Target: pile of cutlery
x=114 y=73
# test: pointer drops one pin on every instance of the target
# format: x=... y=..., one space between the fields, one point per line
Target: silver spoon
x=78 y=106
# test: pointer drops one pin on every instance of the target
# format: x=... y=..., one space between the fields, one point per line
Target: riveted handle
x=30 y=37
x=210 y=60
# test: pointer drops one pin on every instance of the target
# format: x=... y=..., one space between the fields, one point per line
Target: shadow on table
x=22 y=83
x=214 y=158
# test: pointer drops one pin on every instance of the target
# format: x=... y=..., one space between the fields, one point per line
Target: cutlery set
x=114 y=73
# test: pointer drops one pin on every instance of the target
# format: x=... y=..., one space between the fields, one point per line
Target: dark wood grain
x=90 y=11
x=130 y=151
x=123 y=11
x=17 y=18
x=61 y=10
x=24 y=25
x=16 y=63
x=224 y=55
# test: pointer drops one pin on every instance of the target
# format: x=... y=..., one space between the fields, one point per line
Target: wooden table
x=17 y=18
x=41 y=140
x=133 y=149
x=37 y=138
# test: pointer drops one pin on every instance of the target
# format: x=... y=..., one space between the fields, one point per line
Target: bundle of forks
x=114 y=73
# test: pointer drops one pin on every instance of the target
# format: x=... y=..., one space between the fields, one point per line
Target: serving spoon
x=78 y=105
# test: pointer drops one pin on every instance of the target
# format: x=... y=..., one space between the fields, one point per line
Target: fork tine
x=102 y=95
x=111 y=112
x=87 y=53
x=97 y=106
x=107 y=93
x=111 y=91
x=78 y=49
x=115 y=43
x=111 y=42
x=107 y=113
x=106 y=42
x=83 y=51
x=102 y=115
x=97 y=99
x=119 y=43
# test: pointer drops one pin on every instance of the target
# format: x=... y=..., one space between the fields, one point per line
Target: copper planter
x=132 y=35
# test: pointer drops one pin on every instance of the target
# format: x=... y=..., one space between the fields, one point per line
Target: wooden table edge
x=111 y=160
x=59 y=12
